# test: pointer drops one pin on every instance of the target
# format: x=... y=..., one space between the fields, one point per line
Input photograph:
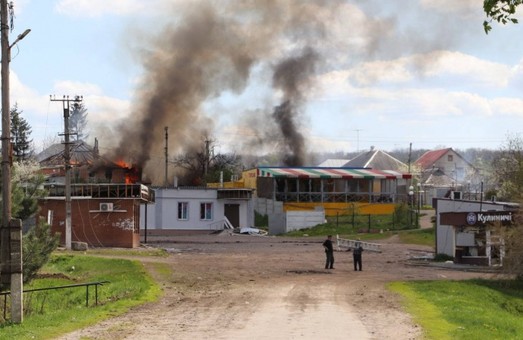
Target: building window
x=450 y=158
x=206 y=211
x=183 y=210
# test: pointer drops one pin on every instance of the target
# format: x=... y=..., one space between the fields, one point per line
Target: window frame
x=183 y=215
x=206 y=211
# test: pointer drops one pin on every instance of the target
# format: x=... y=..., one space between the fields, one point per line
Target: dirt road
x=252 y=287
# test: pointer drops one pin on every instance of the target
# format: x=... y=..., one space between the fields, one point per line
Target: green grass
x=408 y=236
x=424 y=237
x=51 y=313
x=347 y=225
x=128 y=252
x=472 y=309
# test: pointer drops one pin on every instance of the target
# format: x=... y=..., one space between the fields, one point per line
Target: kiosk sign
x=503 y=217
x=471 y=218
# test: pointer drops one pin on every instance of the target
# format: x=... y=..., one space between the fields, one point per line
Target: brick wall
x=117 y=228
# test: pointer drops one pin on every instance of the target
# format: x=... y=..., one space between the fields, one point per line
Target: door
x=232 y=212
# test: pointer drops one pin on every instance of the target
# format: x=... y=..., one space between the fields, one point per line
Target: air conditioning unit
x=106 y=207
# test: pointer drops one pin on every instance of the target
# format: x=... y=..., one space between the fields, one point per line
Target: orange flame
x=123 y=164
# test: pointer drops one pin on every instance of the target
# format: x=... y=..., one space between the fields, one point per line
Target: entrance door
x=232 y=212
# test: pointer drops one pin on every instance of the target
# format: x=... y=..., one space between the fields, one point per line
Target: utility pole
x=66 y=102
x=166 y=181
x=6 y=147
x=206 y=162
x=357 y=140
x=11 y=229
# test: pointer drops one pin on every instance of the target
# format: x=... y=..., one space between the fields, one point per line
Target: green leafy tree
x=21 y=136
x=78 y=121
x=26 y=189
x=508 y=172
x=38 y=243
x=502 y=11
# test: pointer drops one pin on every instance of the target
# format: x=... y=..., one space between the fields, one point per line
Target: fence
x=374 y=223
x=86 y=285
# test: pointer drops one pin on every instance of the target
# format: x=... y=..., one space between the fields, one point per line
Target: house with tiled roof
x=378 y=160
x=372 y=159
x=444 y=170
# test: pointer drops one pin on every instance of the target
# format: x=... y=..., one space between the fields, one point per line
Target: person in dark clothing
x=329 y=252
x=356 y=254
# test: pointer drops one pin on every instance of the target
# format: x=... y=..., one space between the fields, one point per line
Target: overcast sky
x=391 y=73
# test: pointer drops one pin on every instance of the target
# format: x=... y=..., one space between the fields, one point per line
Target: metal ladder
x=351 y=244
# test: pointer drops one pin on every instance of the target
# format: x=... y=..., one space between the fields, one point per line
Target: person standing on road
x=356 y=254
x=329 y=252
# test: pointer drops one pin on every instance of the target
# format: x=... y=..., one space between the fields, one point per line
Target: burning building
x=105 y=197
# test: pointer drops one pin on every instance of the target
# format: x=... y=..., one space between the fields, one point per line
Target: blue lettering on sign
x=471 y=218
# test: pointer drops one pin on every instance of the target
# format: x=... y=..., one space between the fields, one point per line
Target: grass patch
x=424 y=237
x=51 y=313
x=354 y=224
x=472 y=309
x=128 y=252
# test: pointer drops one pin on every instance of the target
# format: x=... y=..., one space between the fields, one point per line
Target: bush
x=38 y=244
x=443 y=257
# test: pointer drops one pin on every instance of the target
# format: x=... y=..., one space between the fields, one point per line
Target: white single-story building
x=187 y=210
x=466 y=230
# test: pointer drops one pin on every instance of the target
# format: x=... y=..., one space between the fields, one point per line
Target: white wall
x=294 y=220
x=297 y=220
x=163 y=214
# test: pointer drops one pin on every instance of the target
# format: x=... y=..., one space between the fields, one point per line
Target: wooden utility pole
x=6 y=146
x=11 y=229
x=66 y=102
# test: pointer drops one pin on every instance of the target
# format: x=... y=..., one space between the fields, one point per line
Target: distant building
x=372 y=159
x=377 y=160
x=444 y=171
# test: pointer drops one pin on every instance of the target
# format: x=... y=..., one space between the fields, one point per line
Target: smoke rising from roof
x=211 y=48
x=292 y=76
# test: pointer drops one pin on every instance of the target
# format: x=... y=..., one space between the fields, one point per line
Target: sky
x=386 y=73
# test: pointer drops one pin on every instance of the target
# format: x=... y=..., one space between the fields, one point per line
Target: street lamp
x=411 y=205
x=8 y=251
x=419 y=204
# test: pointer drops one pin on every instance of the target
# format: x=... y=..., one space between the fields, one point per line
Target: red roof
x=428 y=159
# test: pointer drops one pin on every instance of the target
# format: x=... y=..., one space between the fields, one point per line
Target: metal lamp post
x=411 y=205
x=419 y=204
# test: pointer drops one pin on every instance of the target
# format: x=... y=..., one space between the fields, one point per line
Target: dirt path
x=251 y=287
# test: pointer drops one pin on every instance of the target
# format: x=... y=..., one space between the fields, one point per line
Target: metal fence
x=76 y=285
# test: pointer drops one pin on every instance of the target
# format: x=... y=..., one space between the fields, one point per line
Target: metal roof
x=344 y=173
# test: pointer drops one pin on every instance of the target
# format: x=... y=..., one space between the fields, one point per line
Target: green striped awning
x=344 y=173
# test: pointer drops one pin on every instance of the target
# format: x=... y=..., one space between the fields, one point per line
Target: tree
x=508 y=172
x=78 y=121
x=204 y=166
x=502 y=11
x=26 y=189
x=38 y=243
x=20 y=134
